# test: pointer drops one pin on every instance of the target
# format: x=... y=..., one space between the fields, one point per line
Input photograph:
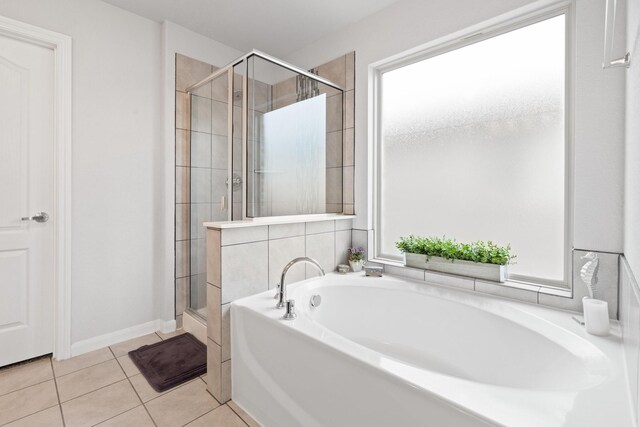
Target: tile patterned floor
x=105 y=388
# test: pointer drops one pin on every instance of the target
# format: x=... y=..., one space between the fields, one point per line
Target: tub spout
x=282 y=292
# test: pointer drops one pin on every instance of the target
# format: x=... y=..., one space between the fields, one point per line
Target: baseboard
x=115 y=337
x=166 y=326
x=194 y=326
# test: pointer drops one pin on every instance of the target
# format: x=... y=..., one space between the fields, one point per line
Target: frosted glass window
x=473 y=148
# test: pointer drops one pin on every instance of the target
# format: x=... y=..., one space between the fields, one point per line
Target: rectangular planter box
x=497 y=273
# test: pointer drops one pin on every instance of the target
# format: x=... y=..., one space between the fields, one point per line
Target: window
x=472 y=145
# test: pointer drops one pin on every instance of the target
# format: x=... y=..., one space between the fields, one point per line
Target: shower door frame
x=229 y=69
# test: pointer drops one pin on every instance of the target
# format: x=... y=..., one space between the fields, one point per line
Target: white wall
x=599 y=106
x=116 y=128
x=632 y=142
x=122 y=190
x=176 y=39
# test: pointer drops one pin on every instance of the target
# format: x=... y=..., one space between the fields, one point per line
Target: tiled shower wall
x=189 y=239
x=340 y=152
x=201 y=161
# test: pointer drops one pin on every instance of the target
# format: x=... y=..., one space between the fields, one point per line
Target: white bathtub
x=393 y=352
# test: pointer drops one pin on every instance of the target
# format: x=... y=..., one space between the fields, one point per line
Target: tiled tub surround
x=630 y=323
x=456 y=358
x=248 y=258
x=562 y=299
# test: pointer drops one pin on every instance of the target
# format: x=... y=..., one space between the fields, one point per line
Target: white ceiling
x=277 y=27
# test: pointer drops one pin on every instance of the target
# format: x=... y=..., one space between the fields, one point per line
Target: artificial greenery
x=488 y=253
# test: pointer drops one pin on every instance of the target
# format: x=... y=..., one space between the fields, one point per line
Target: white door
x=26 y=189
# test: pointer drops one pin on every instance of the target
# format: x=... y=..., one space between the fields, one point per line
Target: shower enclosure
x=264 y=135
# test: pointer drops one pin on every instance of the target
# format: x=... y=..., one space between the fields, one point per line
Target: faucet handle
x=277 y=294
x=290 y=313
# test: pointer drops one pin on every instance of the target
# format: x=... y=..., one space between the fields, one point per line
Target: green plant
x=488 y=253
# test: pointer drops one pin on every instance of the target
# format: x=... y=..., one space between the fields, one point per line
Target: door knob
x=39 y=217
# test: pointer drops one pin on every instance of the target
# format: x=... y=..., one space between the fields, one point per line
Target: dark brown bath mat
x=171 y=362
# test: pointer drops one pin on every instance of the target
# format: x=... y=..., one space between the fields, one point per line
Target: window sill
x=523 y=291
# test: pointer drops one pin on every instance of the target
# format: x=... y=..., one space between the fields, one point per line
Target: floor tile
x=100 y=405
x=246 y=417
x=21 y=376
x=125 y=347
x=137 y=417
x=144 y=390
x=27 y=401
x=89 y=379
x=171 y=334
x=181 y=405
x=128 y=366
x=222 y=416
x=67 y=366
x=48 y=418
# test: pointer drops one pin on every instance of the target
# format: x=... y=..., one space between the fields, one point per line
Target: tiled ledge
x=563 y=299
x=274 y=220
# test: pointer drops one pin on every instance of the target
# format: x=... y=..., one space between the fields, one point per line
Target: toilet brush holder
x=596 y=316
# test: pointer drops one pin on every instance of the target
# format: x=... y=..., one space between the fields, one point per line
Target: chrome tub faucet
x=282 y=291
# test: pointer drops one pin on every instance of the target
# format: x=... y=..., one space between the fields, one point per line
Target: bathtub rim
x=261 y=304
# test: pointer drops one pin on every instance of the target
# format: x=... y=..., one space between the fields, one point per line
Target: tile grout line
x=168 y=391
x=80 y=369
x=55 y=383
x=237 y=414
x=134 y=390
x=88 y=367
x=31 y=385
x=34 y=413
x=206 y=413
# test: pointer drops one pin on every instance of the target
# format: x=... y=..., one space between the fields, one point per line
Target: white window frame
x=458 y=40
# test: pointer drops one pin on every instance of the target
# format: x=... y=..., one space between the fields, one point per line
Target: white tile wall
x=408 y=272
x=607 y=285
x=608 y=278
x=321 y=247
x=320 y=227
x=226 y=331
x=343 y=241
x=245 y=270
x=526 y=295
x=344 y=224
x=449 y=280
x=281 y=251
x=279 y=231
x=235 y=236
